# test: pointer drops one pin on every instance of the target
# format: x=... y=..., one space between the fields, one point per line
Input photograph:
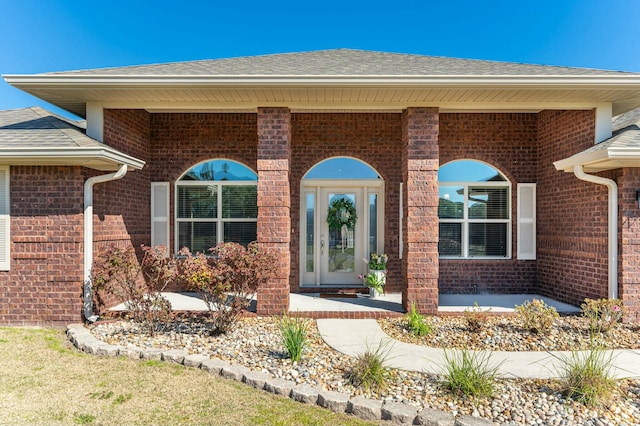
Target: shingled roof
x=35 y=136
x=340 y=80
x=620 y=150
x=341 y=62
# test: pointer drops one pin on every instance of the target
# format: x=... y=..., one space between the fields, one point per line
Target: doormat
x=338 y=295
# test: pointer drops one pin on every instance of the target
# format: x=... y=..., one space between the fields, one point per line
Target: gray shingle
x=342 y=62
x=37 y=128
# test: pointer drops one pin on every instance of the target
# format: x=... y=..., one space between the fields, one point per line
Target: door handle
x=322 y=245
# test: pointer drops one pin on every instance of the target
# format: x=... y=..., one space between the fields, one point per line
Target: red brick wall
x=44 y=285
x=373 y=138
x=122 y=207
x=508 y=142
x=629 y=232
x=274 y=204
x=572 y=214
x=420 y=152
x=180 y=141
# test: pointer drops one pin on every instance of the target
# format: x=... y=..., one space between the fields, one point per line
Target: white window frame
x=465 y=221
x=219 y=221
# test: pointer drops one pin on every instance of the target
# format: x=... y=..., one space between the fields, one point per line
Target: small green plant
x=602 y=314
x=536 y=315
x=83 y=418
x=416 y=323
x=476 y=317
x=294 y=333
x=122 y=398
x=369 y=370
x=586 y=376
x=469 y=373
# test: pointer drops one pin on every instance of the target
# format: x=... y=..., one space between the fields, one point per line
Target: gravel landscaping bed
x=505 y=333
x=255 y=343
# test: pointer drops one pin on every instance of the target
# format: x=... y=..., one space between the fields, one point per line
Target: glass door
x=341 y=236
x=339 y=227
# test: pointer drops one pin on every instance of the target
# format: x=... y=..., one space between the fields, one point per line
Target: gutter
x=613 y=224
x=87 y=304
x=25 y=81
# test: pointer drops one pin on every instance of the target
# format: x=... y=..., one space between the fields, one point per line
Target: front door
x=340 y=227
x=341 y=242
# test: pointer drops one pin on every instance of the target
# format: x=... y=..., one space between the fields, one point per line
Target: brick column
x=420 y=223
x=629 y=247
x=274 y=204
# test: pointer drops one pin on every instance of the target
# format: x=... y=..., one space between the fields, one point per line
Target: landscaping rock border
x=365 y=408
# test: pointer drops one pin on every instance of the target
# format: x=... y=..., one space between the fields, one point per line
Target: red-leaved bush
x=227 y=280
x=118 y=272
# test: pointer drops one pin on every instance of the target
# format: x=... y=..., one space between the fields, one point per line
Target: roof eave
x=103 y=159
x=61 y=80
x=601 y=160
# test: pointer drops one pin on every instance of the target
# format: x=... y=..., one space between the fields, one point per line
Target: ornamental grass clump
x=602 y=314
x=118 y=272
x=294 y=332
x=368 y=370
x=586 y=375
x=537 y=316
x=416 y=323
x=227 y=280
x=469 y=373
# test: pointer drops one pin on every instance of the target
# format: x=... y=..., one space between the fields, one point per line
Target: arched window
x=474 y=211
x=216 y=201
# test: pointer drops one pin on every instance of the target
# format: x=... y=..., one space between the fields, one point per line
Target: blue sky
x=57 y=35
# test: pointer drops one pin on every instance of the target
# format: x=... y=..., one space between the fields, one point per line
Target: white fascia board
x=70 y=156
x=604 y=159
x=43 y=80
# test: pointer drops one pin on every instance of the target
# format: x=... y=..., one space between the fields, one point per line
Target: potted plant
x=377 y=276
x=375 y=280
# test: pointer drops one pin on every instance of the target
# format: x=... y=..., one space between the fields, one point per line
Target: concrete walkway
x=353 y=337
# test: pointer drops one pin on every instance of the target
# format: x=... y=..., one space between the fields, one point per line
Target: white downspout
x=87 y=305
x=613 y=224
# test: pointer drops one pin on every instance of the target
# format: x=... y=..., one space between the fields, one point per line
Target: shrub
x=369 y=370
x=416 y=323
x=537 y=316
x=294 y=333
x=475 y=317
x=602 y=314
x=116 y=271
x=469 y=373
x=227 y=280
x=586 y=376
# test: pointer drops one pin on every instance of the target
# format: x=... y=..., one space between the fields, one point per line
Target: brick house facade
x=405 y=141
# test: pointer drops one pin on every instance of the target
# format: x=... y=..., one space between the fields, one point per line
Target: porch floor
x=389 y=302
x=392 y=302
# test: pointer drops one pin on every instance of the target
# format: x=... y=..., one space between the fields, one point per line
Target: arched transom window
x=474 y=211
x=216 y=201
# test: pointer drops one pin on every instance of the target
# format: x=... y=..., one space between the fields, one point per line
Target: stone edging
x=364 y=408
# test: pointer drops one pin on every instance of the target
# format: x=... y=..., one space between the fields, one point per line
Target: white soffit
x=72 y=92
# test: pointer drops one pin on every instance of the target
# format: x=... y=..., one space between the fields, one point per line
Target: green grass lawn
x=43 y=381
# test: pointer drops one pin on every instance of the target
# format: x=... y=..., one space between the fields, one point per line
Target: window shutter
x=527 y=221
x=5 y=220
x=160 y=214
